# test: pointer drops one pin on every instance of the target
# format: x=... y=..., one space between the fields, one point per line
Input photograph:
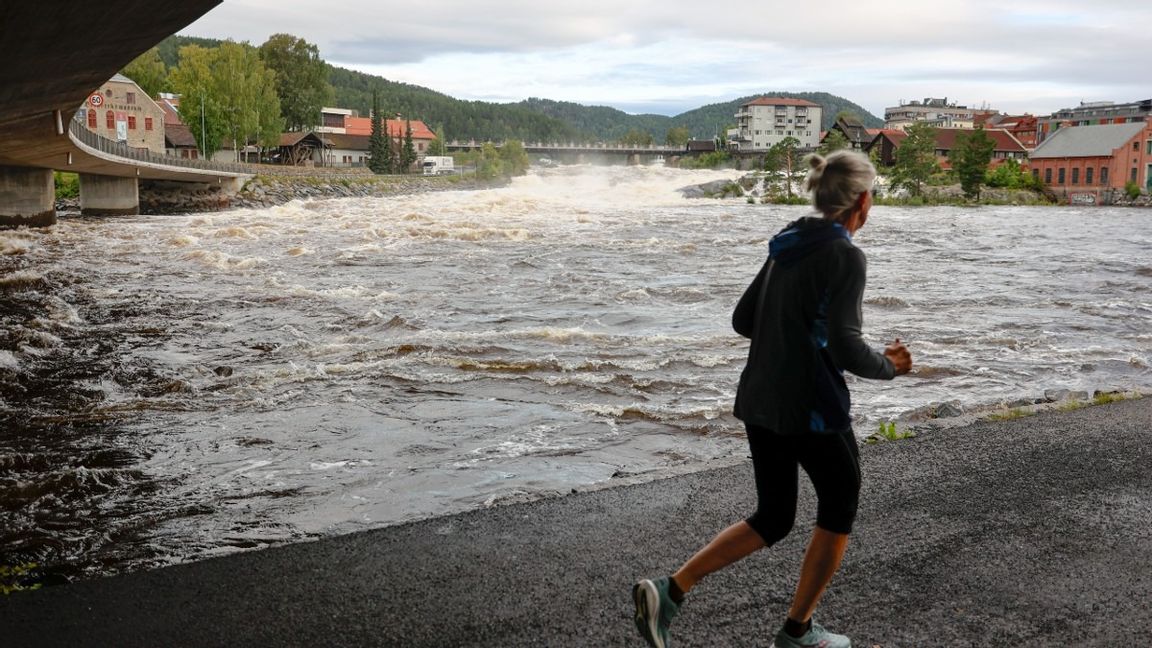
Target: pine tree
x=408 y=153
x=970 y=160
x=379 y=156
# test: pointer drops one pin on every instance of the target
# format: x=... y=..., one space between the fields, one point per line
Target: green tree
x=301 y=79
x=199 y=106
x=514 y=158
x=915 y=159
x=677 y=136
x=379 y=153
x=408 y=152
x=784 y=157
x=970 y=158
x=237 y=92
x=149 y=72
x=833 y=141
x=636 y=137
x=489 y=165
x=437 y=146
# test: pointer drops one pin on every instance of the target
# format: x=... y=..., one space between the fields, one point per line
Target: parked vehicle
x=439 y=165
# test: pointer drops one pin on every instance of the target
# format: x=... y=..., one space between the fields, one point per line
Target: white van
x=438 y=165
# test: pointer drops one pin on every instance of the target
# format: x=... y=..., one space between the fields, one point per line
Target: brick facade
x=120 y=111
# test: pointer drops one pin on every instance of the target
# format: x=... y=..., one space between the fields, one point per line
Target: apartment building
x=935 y=112
x=764 y=122
x=1095 y=113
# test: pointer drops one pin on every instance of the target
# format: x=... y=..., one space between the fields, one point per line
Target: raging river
x=176 y=387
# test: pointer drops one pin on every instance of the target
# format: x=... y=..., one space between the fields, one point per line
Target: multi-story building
x=1094 y=113
x=934 y=112
x=120 y=111
x=1089 y=163
x=764 y=122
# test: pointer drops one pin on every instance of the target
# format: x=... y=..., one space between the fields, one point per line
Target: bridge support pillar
x=109 y=196
x=27 y=197
x=634 y=159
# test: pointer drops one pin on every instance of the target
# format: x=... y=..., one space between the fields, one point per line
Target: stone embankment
x=268 y=191
x=281 y=185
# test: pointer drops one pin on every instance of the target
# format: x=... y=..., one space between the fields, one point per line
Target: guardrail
x=80 y=133
x=573 y=146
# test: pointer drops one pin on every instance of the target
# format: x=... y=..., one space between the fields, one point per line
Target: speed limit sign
x=96 y=100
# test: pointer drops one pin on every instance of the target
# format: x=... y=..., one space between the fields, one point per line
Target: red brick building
x=1088 y=164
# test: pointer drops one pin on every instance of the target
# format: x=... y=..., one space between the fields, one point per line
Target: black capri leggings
x=832 y=462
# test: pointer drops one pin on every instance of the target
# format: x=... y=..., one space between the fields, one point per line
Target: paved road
x=1033 y=532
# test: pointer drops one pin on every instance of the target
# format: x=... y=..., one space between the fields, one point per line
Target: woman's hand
x=900 y=357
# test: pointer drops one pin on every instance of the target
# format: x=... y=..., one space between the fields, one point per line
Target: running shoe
x=655 y=610
x=816 y=637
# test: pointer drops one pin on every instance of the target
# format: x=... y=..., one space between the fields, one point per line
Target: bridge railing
x=80 y=132
x=574 y=146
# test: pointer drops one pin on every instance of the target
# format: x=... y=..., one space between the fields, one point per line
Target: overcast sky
x=669 y=56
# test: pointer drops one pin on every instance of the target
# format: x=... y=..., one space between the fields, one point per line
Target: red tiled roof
x=171 y=108
x=780 y=101
x=946 y=139
x=395 y=127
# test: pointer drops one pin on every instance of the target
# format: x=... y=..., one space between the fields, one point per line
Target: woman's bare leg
x=821 y=562
x=729 y=546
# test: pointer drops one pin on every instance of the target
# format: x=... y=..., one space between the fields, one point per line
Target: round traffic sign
x=96 y=100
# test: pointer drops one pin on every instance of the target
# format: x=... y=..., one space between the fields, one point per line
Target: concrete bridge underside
x=55 y=55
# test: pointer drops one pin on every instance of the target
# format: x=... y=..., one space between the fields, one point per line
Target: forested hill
x=702 y=123
x=708 y=119
x=533 y=119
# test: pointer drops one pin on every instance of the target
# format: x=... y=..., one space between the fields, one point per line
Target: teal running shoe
x=816 y=637
x=655 y=610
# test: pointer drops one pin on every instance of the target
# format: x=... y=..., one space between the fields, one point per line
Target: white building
x=934 y=112
x=763 y=122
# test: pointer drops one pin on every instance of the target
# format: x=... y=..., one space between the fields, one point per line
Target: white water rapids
x=196 y=384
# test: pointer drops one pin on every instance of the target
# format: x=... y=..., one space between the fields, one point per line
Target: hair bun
x=816 y=161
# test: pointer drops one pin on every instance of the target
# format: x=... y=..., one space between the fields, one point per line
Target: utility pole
x=203 y=133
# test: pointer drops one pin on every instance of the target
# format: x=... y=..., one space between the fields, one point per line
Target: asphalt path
x=1030 y=532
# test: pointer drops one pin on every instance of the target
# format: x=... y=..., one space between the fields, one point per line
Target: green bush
x=67 y=185
x=1132 y=189
x=1007 y=175
x=712 y=160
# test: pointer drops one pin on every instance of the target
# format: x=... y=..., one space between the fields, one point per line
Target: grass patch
x=1102 y=398
x=889 y=432
x=16 y=578
x=1011 y=415
x=67 y=185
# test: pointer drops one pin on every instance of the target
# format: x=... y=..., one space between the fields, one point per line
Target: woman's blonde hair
x=837 y=181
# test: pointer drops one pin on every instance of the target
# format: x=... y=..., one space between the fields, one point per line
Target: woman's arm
x=744 y=317
x=846 y=318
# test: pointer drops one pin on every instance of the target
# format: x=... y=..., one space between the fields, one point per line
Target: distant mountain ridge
x=702 y=123
x=533 y=119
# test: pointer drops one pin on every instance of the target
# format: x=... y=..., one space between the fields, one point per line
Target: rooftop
x=1087 y=141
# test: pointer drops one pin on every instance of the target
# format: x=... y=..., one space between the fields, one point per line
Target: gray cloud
x=644 y=54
